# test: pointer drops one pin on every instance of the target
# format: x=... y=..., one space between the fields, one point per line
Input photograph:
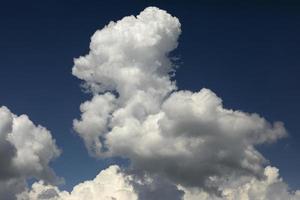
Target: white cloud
x=25 y=152
x=130 y=54
x=181 y=144
x=109 y=184
x=115 y=184
x=138 y=113
x=94 y=120
x=249 y=188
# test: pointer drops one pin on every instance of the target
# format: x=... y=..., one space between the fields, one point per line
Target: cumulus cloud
x=112 y=183
x=131 y=55
x=109 y=184
x=137 y=112
x=181 y=144
x=248 y=188
x=25 y=152
x=115 y=184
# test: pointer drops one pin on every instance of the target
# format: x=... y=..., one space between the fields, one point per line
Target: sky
x=245 y=53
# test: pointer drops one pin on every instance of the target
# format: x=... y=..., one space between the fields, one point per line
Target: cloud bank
x=25 y=152
x=115 y=184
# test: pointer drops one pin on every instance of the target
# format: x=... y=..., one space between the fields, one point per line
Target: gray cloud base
x=25 y=152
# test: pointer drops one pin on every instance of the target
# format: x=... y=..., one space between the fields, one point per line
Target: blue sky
x=245 y=53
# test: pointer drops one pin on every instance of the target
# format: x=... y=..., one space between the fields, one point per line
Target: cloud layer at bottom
x=114 y=184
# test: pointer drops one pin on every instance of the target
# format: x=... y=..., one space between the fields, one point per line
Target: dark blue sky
x=247 y=53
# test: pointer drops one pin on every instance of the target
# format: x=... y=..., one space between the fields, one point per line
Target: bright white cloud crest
x=184 y=142
x=110 y=184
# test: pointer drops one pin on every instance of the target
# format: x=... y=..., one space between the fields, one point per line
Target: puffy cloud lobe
x=129 y=58
x=249 y=188
x=95 y=121
x=131 y=54
x=138 y=113
x=119 y=60
x=109 y=184
x=193 y=138
x=25 y=152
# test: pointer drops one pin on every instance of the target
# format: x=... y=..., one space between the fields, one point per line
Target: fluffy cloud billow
x=137 y=112
x=249 y=188
x=113 y=183
x=110 y=184
x=25 y=152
